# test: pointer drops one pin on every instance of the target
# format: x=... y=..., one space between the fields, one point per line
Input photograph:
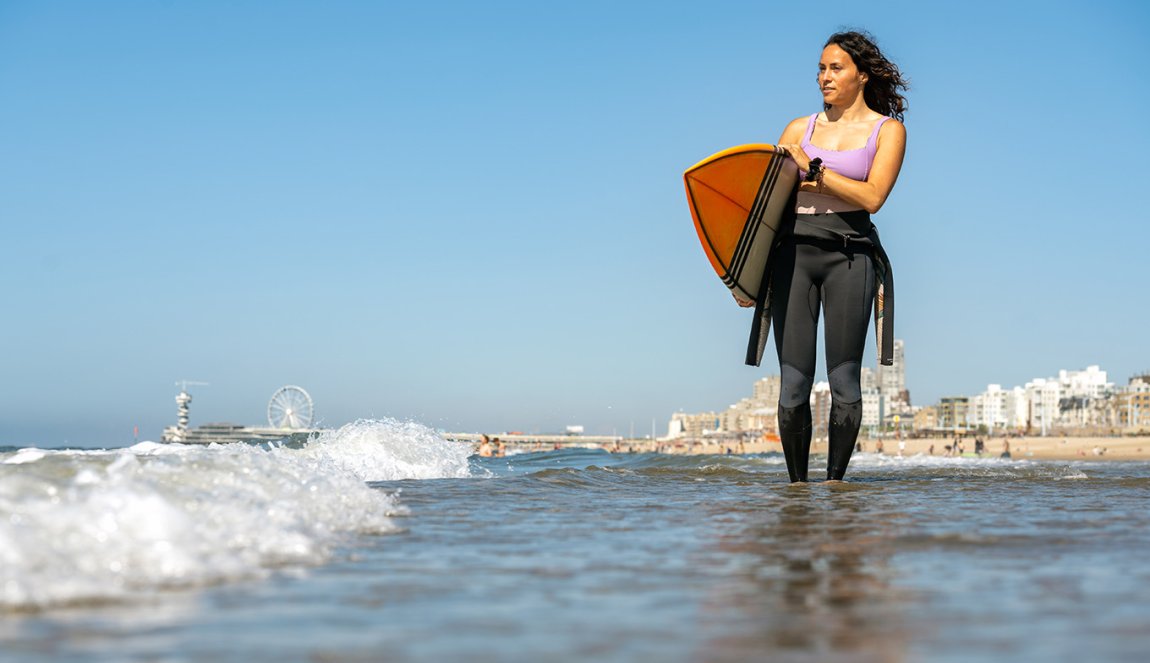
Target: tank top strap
x=810 y=130
x=872 y=142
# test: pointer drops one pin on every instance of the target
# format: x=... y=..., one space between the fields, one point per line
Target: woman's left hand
x=796 y=153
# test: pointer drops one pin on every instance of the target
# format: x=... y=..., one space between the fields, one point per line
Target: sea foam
x=94 y=526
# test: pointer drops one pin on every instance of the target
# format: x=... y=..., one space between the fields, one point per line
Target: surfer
x=849 y=156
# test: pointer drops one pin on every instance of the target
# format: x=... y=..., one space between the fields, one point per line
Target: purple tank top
x=854 y=164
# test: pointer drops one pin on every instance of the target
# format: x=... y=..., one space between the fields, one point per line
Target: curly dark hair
x=885 y=80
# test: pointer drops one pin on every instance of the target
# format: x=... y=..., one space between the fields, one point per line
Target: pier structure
x=290 y=414
x=541 y=440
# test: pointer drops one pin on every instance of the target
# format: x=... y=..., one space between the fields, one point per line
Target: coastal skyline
x=1082 y=399
x=473 y=217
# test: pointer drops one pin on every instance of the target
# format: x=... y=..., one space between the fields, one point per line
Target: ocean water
x=381 y=541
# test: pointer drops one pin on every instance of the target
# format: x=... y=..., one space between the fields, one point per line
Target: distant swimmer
x=828 y=255
x=485 y=447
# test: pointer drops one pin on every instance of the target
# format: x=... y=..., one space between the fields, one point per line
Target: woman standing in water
x=849 y=157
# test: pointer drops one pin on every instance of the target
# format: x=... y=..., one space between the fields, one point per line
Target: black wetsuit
x=828 y=261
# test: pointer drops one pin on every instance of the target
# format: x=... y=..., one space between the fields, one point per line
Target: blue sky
x=472 y=214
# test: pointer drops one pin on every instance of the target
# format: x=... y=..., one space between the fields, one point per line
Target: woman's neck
x=856 y=111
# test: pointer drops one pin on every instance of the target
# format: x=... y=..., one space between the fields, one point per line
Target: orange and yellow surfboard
x=739 y=198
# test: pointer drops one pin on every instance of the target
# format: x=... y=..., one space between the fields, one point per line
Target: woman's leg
x=848 y=295
x=795 y=319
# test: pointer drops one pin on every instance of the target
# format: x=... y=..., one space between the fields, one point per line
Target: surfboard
x=739 y=198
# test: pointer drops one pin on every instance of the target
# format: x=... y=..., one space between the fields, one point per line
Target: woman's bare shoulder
x=892 y=131
x=892 y=127
x=795 y=130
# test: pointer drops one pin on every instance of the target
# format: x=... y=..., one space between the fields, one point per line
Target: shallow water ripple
x=575 y=555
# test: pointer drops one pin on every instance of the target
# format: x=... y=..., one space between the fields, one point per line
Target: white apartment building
x=872 y=410
x=1042 y=396
x=1090 y=383
x=892 y=379
x=999 y=409
x=1084 y=398
x=986 y=409
x=1073 y=399
x=1015 y=408
x=890 y=382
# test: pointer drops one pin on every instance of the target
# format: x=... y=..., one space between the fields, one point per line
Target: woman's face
x=839 y=78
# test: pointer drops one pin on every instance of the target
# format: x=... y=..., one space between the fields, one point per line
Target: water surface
x=382 y=542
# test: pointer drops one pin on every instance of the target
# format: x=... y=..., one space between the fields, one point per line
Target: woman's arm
x=871 y=194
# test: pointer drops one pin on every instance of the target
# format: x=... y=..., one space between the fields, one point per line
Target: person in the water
x=849 y=157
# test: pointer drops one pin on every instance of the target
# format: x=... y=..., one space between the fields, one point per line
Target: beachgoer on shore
x=828 y=255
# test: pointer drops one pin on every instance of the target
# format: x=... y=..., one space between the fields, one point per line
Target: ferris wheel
x=290 y=407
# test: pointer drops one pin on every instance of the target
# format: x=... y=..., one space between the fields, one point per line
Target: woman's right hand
x=797 y=154
x=745 y=303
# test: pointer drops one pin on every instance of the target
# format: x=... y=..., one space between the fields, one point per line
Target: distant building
x=953 y=413
x=820 y=409
x=986 y=408
x=1083 y=402
x=926 y=419
x=884 y=394
x=871 y=408
x=692 y=425
x=757 y=414
x=892 y=383
x=1074 y=402
x=1130 y=406
x=1042 y=397
x=998 y=409
x=1090 y=383
x=766 y=390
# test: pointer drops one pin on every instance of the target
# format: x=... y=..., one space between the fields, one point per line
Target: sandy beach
x=1052 y=447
